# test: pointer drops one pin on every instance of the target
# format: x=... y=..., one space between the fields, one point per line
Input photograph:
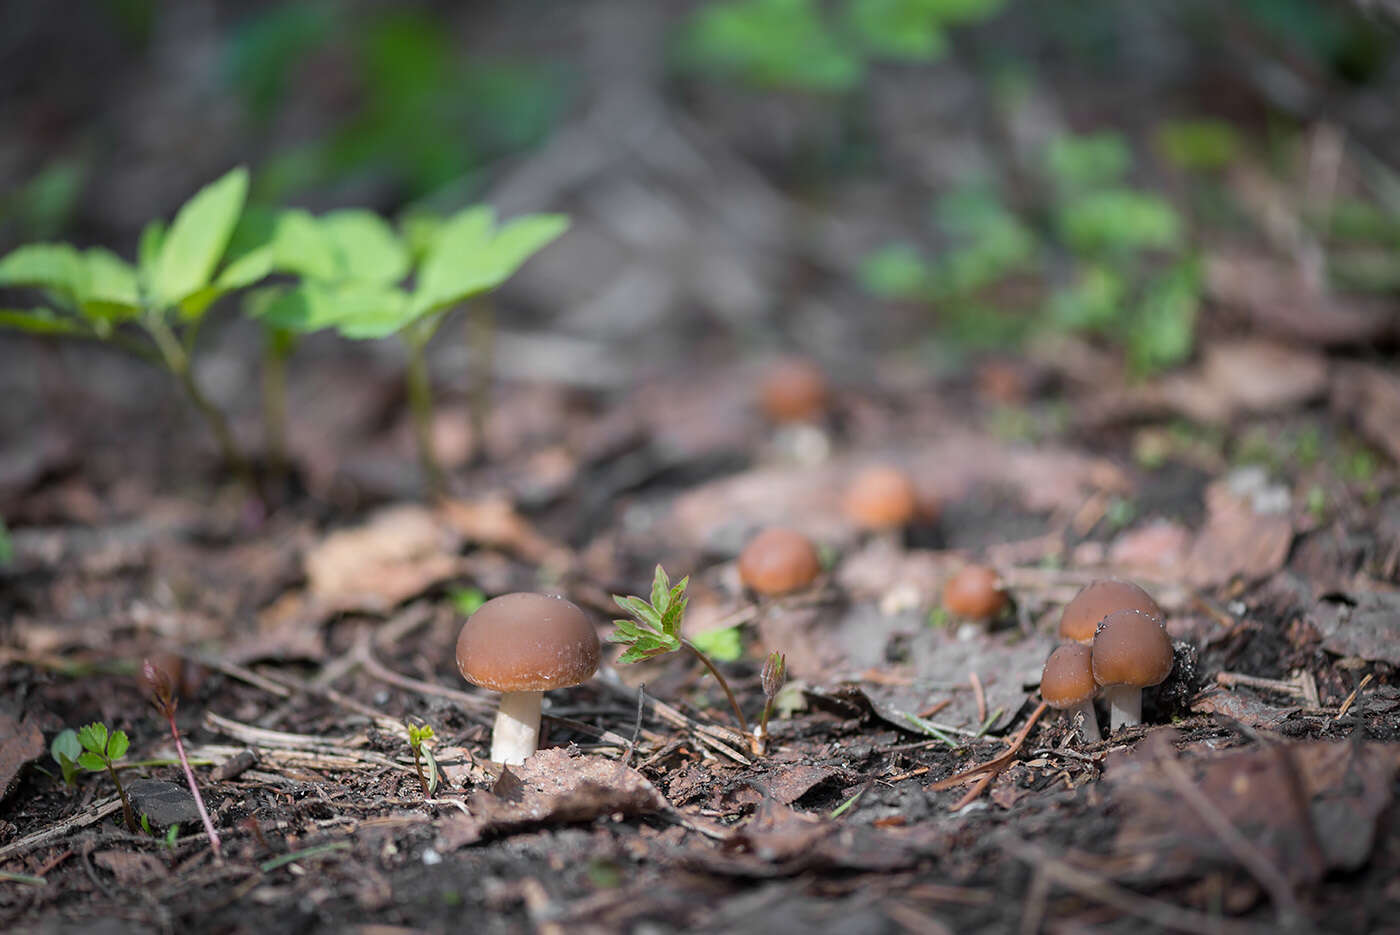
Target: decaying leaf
x=1371 y=397
x=400 y=552
x=1368 y=629
x=1246 y=535
x=20 y=742
x=553 y=788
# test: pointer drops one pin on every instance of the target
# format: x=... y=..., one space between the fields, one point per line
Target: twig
x=1162 y=914
x=1231 y=679
x=637 y=728
x=986 y=772
x=980 y=695
x=95 y=813
x=1351 y=699
x=377 y=670
x=1241 y=848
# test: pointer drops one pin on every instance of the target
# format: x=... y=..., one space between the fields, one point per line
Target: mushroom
x=1131 y=652
x=974 y=592
x=794 y=391
x=882 y=497
x=1067 y=684
x=779 y=561
x=1097 y=600
x=522 y=645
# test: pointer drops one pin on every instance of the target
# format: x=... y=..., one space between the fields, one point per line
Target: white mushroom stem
x=517 y=731
x=1089 y=722
x=1124 y=705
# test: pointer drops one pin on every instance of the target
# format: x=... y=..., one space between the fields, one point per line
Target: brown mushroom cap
x=794 y=391
x=527 y=642
x=1131 y=648
x=777 y=561
x=1068 y=678
x=974 y=592
x=1097 y=600
x=882 y=497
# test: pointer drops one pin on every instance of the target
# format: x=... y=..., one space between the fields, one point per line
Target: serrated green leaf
x=660 y=588
x=91 y=762
x=367 y=248
x=117 y=745
x=724 y=643
x=93 y=737
x=57 y=267
x=198 y=237
x=640 y=609
x=625 y=632
x=38 y=321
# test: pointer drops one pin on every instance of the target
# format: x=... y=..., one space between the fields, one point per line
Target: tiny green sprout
x=172 y=834
x=146 y=824
x=422 y=753
x=723 y=643
x=7 y=549
x=65 y=751
x=655 y=630
x=101 y=751
x=466 y=601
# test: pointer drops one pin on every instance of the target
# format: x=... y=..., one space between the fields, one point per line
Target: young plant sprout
x=357 y=288
x=1131 y=652
x=101 y=751
x=773 y=676
x=655 y=630
x=160 y=689
x=65 y=751
x=1096 y=601
x=423 y=753
x=779 y=561
x=1067 y=684
x=523 y=645
x=155 y=307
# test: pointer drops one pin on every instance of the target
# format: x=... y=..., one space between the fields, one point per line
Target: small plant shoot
x=423 y=756
x=65 y=751
x=655 y=630
x=160 y=689
x=102 y=750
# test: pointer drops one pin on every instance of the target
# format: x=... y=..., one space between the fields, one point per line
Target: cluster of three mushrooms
x=1118 y=646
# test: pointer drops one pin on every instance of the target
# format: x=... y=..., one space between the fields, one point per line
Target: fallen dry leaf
x=399 y=553
x=1370 y=397
x=131 y=868
x=1243 y=538
x=1368 y=629
x=553 y=788
x=20 y=743
x=493 y=521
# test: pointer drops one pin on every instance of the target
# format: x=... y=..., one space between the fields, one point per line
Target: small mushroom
x=882 y=497
x=1097 y=600
x=779 y=561
x=794 y=391
x=1131 y=652
x=522 y=645
x=975 y=593
x=1067 y=684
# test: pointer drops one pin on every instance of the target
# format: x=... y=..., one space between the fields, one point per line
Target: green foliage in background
x=808 y=45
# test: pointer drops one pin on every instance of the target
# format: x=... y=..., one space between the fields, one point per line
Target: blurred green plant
x=353 y=266
x=43 y=206
x=155 y=307
x=1199 y=145
x=811 y=46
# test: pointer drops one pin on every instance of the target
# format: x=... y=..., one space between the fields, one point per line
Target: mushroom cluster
x=1116 y=645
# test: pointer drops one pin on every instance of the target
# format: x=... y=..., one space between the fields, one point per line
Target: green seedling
x=466 y=601
x=101 y=751
x=655 y=630
x=352 y=280
x=723 y=643
x=153 y=308
x=160 y=689
x=422 y=753
x=172 y=834
x=65 y=751
x=7 y=549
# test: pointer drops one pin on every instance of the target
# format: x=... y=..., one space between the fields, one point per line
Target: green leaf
x=1121 y=220
x=38 y=321
x=368 y=311
x=724 y=643
x=468 y=258
x=1163 y=331
x=246 y=270
x=1095 y=160
x=7 y=552
x=898 y=29
x=626 y=632
x=302 y=246
x=368 y=249
x=117 y=745
x=1203 y=145
x=57 y=267
x=198 y=237
x=433 y=772
x=897 y=271
x=109 y=288
x=640 y=609
x=92 y=762
x=148 y=251
x=93 y=737
x=660 y=589
x=66 y=745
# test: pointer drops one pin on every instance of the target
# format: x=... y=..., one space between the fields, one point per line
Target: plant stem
x=126 y=803
x=177 y=360
x=733 y=702
x=214 y=843
x=481 y=343
x=422 y=778
x=276 y=346
x=420 y=400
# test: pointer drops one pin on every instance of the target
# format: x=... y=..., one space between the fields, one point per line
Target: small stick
x=986 y=772
x=1351 y=699
x=162 y=695
x=1231 y=679
x=980 y=695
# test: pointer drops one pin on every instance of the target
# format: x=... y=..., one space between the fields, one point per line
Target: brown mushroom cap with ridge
x=522 y=645
x=1097 y=600
x=778 y=561
x=1067 y=683
x=1131 y=652
x=974 y=592
x=882 y=497
x=794 y=391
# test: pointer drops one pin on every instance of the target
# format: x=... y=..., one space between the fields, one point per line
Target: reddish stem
x=214 y=843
